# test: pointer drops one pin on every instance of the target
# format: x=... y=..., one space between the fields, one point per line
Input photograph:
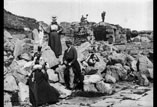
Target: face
x=54 y=20
x=41 y=61
x=68 y=45
x=40 y=28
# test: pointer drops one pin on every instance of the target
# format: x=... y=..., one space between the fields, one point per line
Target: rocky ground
x=126 y=95
x=121 y=85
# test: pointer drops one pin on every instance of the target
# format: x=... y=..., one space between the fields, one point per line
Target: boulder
x=145 y=81
x=89 y=88
x=18 y=48
x=150 y=56
x=117 y=58
x=89 y=70
x=26 y=56
x=145 y=39
x=133 y=52
x=150 y=37
x=144 y=63
x=7 y=35
x=104 y=87
x=4 y=53
x=62 y=90
x=8 y=46
x=92 y=78
x=35 y=35
x=28 y=48
x=150 y=70
x=23 y=46
x=60 y=71
x=7 y=100
x=10 y=84
x=53 y=77
x=49 y=56
x=101 y=65
x=20 y=77
x=19 y=36
x=21 y=63
x=81 y=49
x=5 y=58
x=23 y=93
x=18 y=72
x=5 y=71
x=133 y=65
x=117 y=71
x=136 y=39
x=109 y=79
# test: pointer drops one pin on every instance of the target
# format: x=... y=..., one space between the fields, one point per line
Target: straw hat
x=54 y=17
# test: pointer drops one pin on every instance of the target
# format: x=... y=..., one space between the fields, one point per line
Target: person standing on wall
x=54 y=37
x=103 y=16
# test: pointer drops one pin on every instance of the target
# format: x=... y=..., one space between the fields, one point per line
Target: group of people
x=41 y=92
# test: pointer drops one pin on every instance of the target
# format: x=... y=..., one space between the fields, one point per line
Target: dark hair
x=38 y=55
x=92 y=55
x=68 y=42
x=39 y=48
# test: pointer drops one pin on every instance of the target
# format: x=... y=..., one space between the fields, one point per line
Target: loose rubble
x=117 y=63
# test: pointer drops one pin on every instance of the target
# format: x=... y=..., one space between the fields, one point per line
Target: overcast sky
x=134 y=14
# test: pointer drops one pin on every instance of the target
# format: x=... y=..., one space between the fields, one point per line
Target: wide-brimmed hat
x=54 y=17
x=72 y=24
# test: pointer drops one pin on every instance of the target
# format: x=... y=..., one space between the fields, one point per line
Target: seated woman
x=92 y=59
x=40 y=91
x=70 y=60
x=89 y=64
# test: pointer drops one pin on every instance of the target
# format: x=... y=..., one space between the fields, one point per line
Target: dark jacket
x=71 y=55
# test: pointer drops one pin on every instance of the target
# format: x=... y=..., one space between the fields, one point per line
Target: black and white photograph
x=78 y=53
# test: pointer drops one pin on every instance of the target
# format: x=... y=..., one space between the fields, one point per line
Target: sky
x=133 y=14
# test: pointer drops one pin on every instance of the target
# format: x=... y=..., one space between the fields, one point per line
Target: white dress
x=41 y=35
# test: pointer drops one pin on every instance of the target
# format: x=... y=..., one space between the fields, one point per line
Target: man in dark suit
x=70 y=60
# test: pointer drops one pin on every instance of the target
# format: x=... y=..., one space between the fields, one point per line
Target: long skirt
x=78 y=77
x=40 y=90
x=55 y=43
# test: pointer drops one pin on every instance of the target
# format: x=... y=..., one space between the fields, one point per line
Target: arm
x=60 y=29
x=45 y=75
x=74 y=55
x=64 y=60
x=44 y=70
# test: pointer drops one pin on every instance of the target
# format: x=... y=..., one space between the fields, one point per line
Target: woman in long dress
x=54 y=37
x=70 y=60
x=40 y=91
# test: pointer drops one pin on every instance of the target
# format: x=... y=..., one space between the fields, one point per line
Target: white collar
x=69 y=49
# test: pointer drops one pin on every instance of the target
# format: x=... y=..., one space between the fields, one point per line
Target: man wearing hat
x=70 y=60
x=54 y=37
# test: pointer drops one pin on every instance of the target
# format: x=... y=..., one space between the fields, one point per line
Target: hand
x=65 y=62
x=69 y=64
x=47 y=66
x=58 y=31
x=43 y=71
